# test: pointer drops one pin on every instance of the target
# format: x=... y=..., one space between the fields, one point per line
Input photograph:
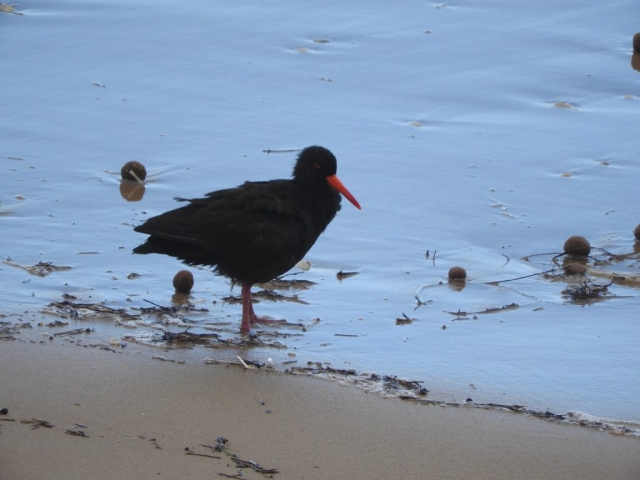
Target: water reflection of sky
x=483 y=134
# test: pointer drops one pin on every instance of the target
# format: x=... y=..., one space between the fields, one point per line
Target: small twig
x=556 y=255
x=201 y=455
x=288 y=274
x=133 y=174
x=511 y=306
x=164 y=309
x=508 y=260
x=188 y=451
x=606 y=252
x=520 y=278
x=243 y=362
x=250 y=464
x=289 y=150
x=218 y=448
x=36 y=423
x=72 y=332
x=420 y=303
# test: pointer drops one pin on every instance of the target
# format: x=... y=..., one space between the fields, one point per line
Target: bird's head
x=317 y=164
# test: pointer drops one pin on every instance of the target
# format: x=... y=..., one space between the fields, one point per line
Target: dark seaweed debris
x=68 y=309
x=404 y=320
x=280 y=284
x=222 y=446
x=266 y=294
x=342 y=275
x=40 y=269
x=390 y=384
x=587 y=292
x=570 y=418
x=37 y=423
x=188 y=337
x=171 y=311
x=8 y=329
x=493 y=406
x=461 y=313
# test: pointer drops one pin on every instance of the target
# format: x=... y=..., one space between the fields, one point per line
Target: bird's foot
x=257 y=319
x=249 y=317
x=252 y=320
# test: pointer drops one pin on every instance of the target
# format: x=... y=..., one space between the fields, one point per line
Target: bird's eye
x=316 y=166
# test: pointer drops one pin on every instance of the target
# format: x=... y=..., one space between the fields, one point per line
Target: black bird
x=255 y=232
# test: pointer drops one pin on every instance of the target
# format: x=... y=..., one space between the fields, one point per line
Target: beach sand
x=140 y=414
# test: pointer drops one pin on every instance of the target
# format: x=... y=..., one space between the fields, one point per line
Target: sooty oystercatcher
x=255 y=232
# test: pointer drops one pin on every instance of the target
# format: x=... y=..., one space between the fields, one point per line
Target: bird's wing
x=260 y=216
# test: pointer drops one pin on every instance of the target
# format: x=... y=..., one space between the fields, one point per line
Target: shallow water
x=481 y=134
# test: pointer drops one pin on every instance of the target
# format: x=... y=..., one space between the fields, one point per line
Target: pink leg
x=249 y=317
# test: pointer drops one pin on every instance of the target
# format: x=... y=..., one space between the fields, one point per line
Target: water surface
x=482 y=134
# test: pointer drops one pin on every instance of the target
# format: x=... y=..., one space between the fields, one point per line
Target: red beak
x=335 y=182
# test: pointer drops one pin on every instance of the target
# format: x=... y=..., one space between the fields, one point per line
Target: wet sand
x=140 y=414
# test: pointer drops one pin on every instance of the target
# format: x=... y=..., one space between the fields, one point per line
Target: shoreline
x=139 y=416
x=187 y=348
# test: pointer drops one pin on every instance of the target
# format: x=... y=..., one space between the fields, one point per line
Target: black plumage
x=256 y=231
